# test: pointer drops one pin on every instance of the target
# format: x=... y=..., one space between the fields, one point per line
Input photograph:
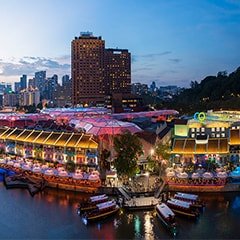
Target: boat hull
x=101 y=215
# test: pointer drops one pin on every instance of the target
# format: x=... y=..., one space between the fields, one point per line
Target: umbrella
x=182 y=175
x=195 y=175
x=17 y=165
x=2 y=160
x=77 y=175
x=207 y=175
x=49 y=172
x=222 y=175
x=63 y=173
x=36 y=169
x=93 y=177
x=171 y=174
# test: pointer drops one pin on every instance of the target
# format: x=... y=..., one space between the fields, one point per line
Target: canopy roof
x=61 y=139
x=234 y=137
x=189 y=146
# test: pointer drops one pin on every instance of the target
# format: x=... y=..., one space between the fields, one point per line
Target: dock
x=141 y=203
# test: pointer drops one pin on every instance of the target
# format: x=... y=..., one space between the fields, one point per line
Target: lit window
x=223 y=134
x=218 y=135
x=193 y=135
x=213 y=129
x=218 y=129
x=193 y=129
x=223 y=129
x=203 y=129
x=198 y=129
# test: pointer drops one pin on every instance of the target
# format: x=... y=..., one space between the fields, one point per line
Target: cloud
x=142 y=69
x=175 y=60
x=29 y=65
x=150 y=56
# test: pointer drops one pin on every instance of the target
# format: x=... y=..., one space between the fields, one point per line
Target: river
x=52 y=214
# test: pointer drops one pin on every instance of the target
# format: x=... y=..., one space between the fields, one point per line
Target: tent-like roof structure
x=234 y=137
x=60 y=139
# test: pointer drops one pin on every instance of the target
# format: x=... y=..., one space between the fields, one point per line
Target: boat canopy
x=165 y=210
x=179 y=203
x=94 y=198
x=106 y=205
x=192 y=197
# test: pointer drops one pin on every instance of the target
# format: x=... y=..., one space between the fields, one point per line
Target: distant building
x=153 y=87
x=62 y=95
x=29 y=97
x=40 y=78
x=117 y=71
x=32 y=83
x=88 y=69
x=17 y=87
x=23 y=82
x=50 y=87
x=10 y=99
x=139 y=88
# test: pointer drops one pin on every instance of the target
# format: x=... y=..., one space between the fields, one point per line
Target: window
x=198 y=129
x=213 y=135
x=193 y=129
x=218 y=129
x=223 y=134
x=193 y=135
x=218 y=135
x=213 y=129
x=202 y=129
x=223 y=129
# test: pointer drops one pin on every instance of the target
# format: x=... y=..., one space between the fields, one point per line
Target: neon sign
x=200 y=116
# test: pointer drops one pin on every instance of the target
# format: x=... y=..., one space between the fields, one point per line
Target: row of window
x=217 y=129
x=213 y=135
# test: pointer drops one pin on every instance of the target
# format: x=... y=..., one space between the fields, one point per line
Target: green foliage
x=104 y=164
x=213 y=92
x=128 y=148
x=162 y=151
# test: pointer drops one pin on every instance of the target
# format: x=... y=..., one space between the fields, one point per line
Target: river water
x=52 y=214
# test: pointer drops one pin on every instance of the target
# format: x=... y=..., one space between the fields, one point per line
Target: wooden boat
x=192 y=198
x=182 y=208
x=91 y=203
x=145 y=203
x=103 y=210
x=167 y=217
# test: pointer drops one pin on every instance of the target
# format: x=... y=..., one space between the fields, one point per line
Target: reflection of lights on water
x=236 y=203
x=129 y=218
x=148 y=227
x=99 y=226
x=137 y=225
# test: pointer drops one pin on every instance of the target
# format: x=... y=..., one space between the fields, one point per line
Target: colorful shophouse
x=197 y=141
x=51 y=146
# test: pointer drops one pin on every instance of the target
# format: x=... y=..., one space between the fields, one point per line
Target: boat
x=182 y=208
x=103 y=210
x=167 y=217
x=192 y=198
x=91 y=203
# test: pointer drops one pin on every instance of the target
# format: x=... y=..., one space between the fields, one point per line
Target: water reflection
x=52 y=214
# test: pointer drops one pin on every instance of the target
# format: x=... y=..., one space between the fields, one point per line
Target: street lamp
x=152 y=152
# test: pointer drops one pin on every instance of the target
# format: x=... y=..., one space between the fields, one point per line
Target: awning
x=60 y=139
x=234 y=137
x=189 y=146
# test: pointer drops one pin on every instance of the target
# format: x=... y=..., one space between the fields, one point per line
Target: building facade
x=88 y=69
x=29 y=97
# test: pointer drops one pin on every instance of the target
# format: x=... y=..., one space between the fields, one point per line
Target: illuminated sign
x=200 y=116
x=181 y=130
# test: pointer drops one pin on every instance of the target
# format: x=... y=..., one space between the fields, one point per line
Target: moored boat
x=103 y=210
x=192 y=198
x=92 y=202
x=167 y=217
x=182 y=208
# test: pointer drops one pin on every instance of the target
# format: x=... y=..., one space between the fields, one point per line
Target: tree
x=128 y=147
x=161 y=153
x=70 y=166
x=104 y=164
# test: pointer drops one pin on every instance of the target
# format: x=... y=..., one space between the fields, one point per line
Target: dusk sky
x=171 y=41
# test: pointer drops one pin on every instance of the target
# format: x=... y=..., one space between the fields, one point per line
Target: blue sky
x=171 y=41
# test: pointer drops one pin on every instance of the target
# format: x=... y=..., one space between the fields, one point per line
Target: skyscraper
x=40 y=78
x=23 y=82
x=88 y=69
x=117 y=71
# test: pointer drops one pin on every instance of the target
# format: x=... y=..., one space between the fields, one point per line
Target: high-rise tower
x=88 y=69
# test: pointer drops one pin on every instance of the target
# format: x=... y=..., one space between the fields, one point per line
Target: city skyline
x=170 y=42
